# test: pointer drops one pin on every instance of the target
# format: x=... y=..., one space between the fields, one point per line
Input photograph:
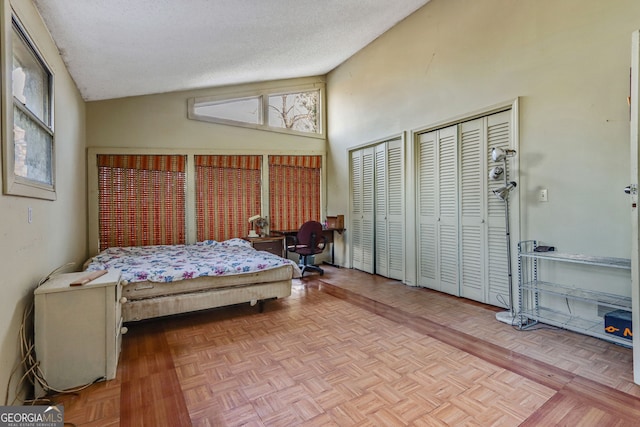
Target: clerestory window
x=289 y=111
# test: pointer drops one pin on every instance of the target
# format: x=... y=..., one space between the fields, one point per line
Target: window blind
x=228 y=192
x=141 y=200
x=294 y=191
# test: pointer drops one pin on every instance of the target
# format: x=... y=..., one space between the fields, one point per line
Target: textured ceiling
x=119 y=48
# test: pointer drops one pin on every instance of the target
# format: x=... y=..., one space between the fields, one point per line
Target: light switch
x=542 y=195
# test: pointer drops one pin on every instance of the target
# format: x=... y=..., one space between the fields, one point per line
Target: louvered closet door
x=355 y=209
x=448 y=209
x=362 y=209
x=498 y=135
x=438 y=210
x=382 y=244
x=462 y=241
x=472 y=209
x=389 y=210
x=395 y=209
x=427 y=257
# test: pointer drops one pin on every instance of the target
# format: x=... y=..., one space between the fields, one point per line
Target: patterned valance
x=312 y=162
x=230 y=162
x=168 y=163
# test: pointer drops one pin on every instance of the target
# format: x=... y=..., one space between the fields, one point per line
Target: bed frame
x=146 y=300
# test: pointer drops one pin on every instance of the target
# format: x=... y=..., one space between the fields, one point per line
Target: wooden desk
x=326 y=232
x=273 y=244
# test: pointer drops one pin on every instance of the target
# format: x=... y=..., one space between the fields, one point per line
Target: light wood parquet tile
x=351 y=349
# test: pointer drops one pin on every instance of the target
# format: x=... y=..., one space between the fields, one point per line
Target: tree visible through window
x=296 y=111
x=289 y=112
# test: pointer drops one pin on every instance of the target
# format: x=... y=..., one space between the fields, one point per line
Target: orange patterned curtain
x=228 y=192
x=141 y=200
x=294 y=191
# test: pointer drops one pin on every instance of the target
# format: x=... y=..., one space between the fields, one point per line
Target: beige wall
x=57 y=234
x=157 y=124
x=160 y=121
x=568 y=64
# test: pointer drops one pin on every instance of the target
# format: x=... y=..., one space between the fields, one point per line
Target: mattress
x=176 y=263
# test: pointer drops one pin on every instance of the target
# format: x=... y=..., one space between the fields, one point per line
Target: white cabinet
x=78 y=329
x=536 y=295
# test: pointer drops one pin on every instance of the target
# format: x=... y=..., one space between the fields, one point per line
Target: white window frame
x=263 y=96
x=14 y=184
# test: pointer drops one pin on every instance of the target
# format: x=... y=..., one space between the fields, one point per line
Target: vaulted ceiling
x=120 y=48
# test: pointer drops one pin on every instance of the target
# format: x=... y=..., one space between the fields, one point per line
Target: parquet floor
x=351 y=349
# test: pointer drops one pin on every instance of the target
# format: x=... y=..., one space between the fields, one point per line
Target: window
x=151 y=199
x=141 y=200
x=228 y=192
x=295 y=111
x=294 y=191
x=244 y=110
x=288 y=111
x=29 y=148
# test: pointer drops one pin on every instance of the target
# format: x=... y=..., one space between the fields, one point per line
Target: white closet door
x=448 y=209
x=362 y=209
x=382 y=244
x=355 y=213
x=438 y=210
x=395 y=209
x=498 y=135
x=462 y=246
x=472 y=209
x=427 y=257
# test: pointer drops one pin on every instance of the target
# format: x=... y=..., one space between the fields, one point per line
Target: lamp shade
x=498 y=154
x=503 y=192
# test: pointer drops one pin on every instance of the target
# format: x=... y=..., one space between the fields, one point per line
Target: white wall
x=57 y=234
x=567 y=62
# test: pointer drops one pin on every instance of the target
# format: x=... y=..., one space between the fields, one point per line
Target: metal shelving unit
x=531 y=288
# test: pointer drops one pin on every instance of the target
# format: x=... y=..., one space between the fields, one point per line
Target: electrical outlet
x=542 y=195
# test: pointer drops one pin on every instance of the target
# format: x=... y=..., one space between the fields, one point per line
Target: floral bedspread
x=179 y=262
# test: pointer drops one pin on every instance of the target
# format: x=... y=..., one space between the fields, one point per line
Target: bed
x=171 y=279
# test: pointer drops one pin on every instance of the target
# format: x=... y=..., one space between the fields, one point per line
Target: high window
x=295 y=111
x=288 y=111
x=29 y=154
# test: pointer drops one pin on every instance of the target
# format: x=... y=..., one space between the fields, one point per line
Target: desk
x=273 y=244
x=326 y=232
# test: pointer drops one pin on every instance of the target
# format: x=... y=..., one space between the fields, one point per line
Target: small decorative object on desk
x=261 y=223
x=335 y=221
